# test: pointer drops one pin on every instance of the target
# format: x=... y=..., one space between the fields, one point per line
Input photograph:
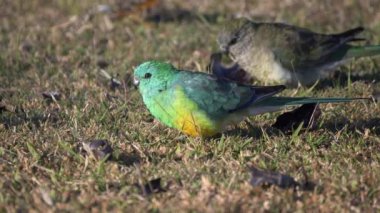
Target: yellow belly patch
x=189 y=118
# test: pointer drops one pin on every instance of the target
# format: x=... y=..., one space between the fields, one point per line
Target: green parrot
x=276 y=53
x=201 y=104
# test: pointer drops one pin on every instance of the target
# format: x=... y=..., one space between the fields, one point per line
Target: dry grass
x=55 y=46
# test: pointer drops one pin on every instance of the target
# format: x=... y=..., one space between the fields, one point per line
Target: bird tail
x=350 y=35
x=362 y=51
x=288 y=101
x=274 y=104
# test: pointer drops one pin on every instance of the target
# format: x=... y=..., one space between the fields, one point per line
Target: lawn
x=71 y=48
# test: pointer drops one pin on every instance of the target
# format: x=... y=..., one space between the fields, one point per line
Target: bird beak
x=223 y=49
x=136 y=81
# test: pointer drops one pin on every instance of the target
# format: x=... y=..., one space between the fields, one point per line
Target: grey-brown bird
x=276 y=53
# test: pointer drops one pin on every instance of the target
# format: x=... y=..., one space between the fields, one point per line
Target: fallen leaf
x=46 y=197
x=153 y=186
x=114 y=83
x=3 y=108
x=26 y=47
x=100 y=149
x=376 y=95
x=102 y=64
x=265 y=178
x=306 y=114
x=129 y=159
x=54 y=95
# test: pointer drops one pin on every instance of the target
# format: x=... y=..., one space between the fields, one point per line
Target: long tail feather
x=350 y=34
x=362 y=51
x=285 y=101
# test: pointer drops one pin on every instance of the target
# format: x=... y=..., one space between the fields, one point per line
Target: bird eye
x=233 y=41
x=147 y=75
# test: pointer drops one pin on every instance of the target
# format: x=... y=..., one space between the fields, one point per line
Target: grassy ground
x=56 y=46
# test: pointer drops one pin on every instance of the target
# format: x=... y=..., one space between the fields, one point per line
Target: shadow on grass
x=256 y=132
x=181 y=15
x=126 y=159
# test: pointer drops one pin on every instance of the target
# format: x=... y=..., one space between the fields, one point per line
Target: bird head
x=230 y=34
x=225 y=40
x=151 y=77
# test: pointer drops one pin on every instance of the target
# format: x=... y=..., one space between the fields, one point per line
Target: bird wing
x=218 y=97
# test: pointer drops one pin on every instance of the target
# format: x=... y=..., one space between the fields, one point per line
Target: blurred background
x=124 y=33
x=65 y=76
